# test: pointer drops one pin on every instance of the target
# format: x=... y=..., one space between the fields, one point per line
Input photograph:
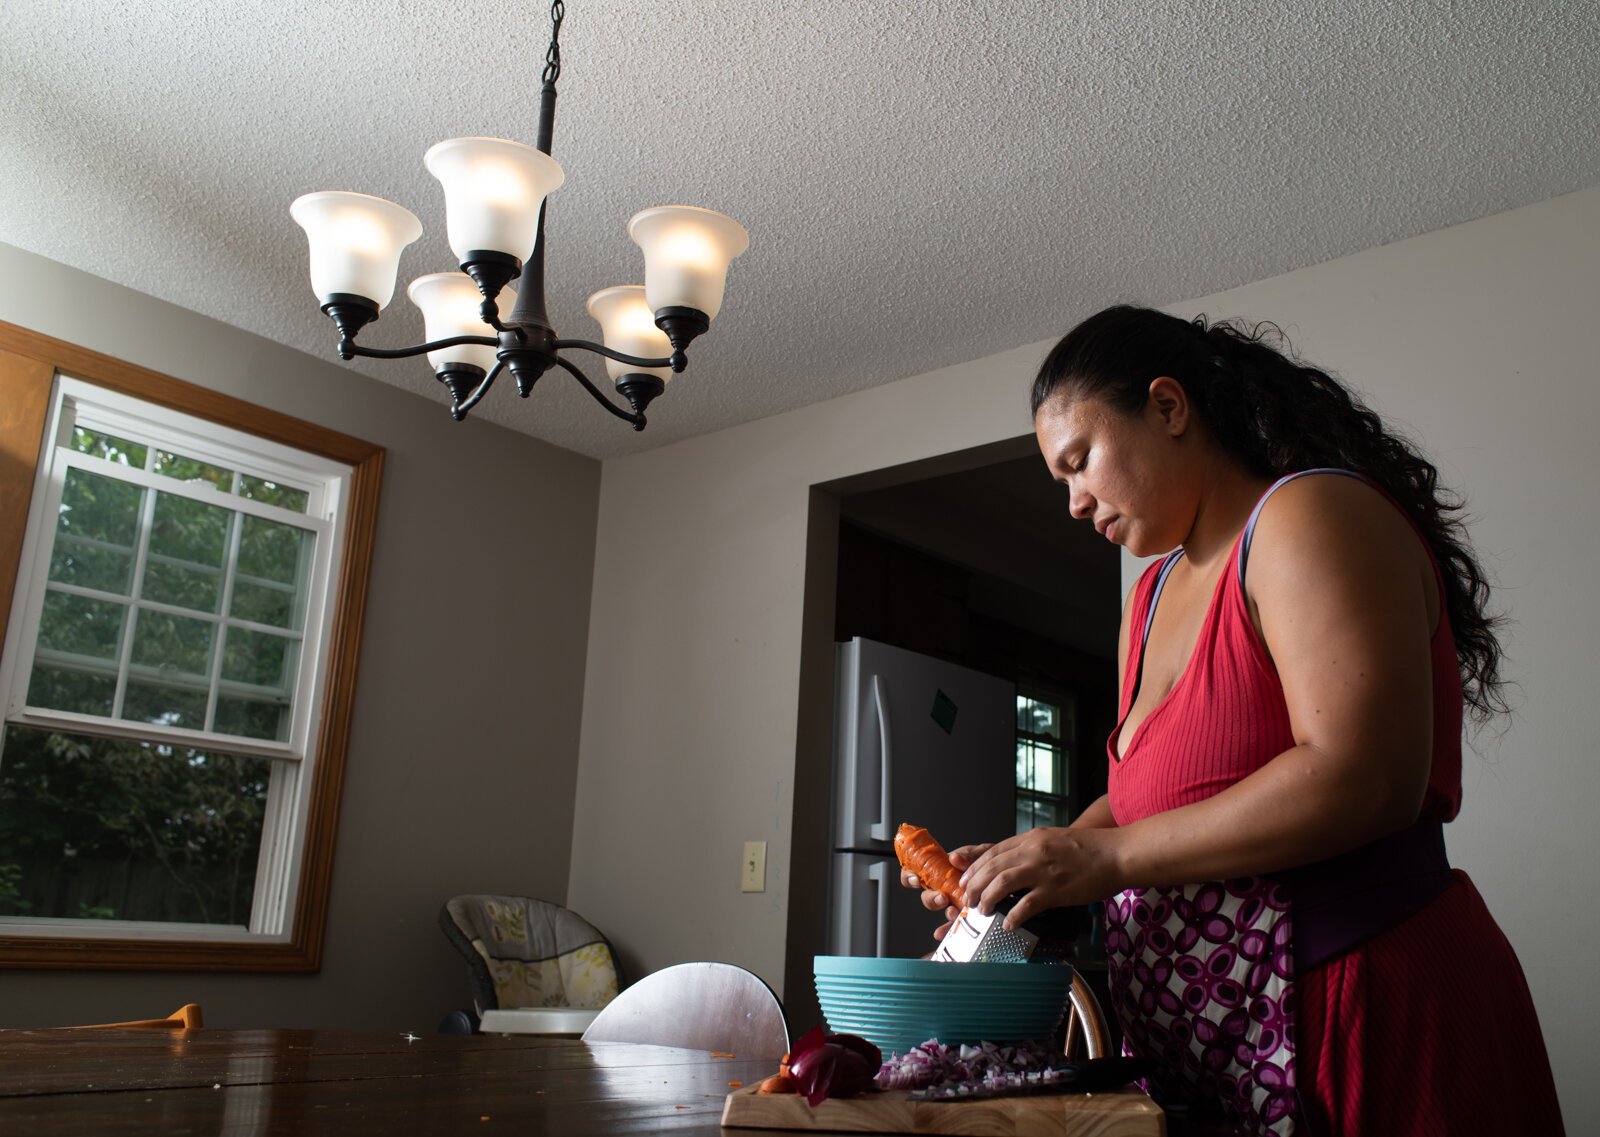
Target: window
x=1046 y=728
x=178 y=663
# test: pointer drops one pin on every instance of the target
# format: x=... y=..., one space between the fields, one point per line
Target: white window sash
x=143 y=929
x=102 y=410
x=326 y=484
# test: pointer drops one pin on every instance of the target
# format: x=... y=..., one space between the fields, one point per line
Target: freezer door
x=871 y=915
x=935 y=741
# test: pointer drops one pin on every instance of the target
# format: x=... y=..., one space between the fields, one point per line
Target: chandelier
x=495 y=193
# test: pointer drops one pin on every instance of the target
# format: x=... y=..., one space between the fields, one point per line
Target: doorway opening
x=972 y=558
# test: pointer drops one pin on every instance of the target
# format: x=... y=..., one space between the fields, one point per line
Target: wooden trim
x=24 y=407
x=28 y=363
x=202 y=402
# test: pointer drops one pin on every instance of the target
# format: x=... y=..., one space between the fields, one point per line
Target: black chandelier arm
x=620 y=357
x=348 y=348
x=459 y=410
x=489 y=312
x=638 y=420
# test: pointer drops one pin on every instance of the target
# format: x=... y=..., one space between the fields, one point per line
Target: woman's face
x=1125 y=471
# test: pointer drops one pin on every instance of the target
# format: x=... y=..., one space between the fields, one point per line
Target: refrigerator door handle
x=878 y=873
x=881 y=830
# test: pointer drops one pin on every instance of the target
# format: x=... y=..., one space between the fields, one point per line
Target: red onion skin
x=833 y=1065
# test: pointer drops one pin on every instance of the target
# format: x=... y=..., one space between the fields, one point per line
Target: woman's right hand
x=961 y=859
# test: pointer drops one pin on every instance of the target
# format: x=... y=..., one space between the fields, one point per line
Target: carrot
x=919 y=853
x=778 y=1084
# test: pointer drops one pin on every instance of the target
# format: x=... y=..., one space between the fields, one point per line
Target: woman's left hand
x=1056 y=868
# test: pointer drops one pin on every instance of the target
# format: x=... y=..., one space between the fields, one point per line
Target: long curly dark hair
x=1277 y=414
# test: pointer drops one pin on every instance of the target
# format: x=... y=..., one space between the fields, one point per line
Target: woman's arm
x=1347 y=603
x=1097 y=816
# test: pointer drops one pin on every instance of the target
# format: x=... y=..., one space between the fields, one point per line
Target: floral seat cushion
x=530 y=953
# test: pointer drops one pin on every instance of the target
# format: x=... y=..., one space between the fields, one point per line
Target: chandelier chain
x=552 y=57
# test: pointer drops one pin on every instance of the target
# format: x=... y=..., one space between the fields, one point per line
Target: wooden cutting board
x=1124 y=1113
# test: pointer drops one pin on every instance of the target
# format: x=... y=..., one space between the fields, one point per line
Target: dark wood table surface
x=244 y=1083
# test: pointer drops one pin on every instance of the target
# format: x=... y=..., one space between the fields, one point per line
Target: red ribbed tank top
x=1226 y=716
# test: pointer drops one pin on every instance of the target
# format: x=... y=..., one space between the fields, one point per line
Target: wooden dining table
x=244 y=1083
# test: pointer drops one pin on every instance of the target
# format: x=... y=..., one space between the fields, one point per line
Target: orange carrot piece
x=919 y=853
x=779 y=1084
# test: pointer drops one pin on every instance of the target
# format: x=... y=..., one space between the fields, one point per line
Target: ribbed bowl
x=897 y=1004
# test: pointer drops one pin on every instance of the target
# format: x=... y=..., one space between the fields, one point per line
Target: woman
x=1285 y=935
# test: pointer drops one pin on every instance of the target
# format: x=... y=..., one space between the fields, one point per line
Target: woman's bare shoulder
x=1326 y=528
x=1319 y=508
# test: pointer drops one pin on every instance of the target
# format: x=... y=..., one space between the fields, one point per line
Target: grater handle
x=878 y=873
x=881 y=827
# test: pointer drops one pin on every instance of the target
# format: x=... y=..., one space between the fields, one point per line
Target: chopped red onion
x=985 y=1066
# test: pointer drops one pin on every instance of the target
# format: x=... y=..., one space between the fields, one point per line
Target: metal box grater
x=975 y=938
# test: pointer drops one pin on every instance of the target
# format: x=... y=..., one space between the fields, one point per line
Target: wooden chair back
x=697 y=1006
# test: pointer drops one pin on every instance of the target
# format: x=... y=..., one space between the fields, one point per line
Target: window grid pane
x=192 y=470
x=97 y=532
x=110 y=447
x=284 y=497
x=273 y=568
x=133 y=627
x=189 y=543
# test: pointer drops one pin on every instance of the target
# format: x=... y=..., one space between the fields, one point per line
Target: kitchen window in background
x=166 y=666
x=1046 y=725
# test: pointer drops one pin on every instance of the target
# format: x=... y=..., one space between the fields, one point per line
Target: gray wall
x=1479 y=337
x=464 y=743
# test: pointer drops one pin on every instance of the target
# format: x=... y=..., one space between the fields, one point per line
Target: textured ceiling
x=924 y=182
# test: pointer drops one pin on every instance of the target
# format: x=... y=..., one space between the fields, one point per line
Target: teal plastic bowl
x=897 y=1004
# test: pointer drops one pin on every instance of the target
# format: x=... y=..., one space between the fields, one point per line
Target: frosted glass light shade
x=356 y=242
x=686 y=255
x=449 y=303
x=492 y=193
x=627 y=324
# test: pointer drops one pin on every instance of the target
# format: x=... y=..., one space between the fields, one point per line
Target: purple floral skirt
x=1202 y=977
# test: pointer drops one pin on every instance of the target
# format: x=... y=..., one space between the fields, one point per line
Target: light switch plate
x=755 y=867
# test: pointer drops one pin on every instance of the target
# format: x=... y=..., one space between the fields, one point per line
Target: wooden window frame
x=29 y=362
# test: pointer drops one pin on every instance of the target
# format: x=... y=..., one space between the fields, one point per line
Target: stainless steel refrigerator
x=920 y=740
